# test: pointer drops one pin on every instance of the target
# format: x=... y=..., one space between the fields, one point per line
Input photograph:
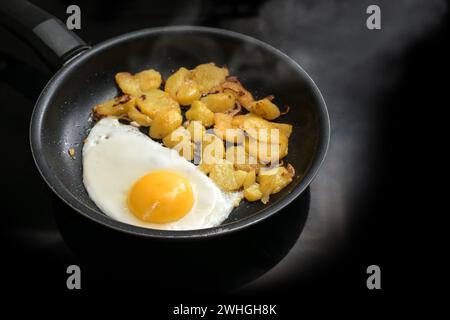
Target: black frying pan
x=85 y=78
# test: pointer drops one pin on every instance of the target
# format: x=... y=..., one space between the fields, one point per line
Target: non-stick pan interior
x=68 y=100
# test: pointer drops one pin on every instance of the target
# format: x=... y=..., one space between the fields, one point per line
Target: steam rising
x=354 y=67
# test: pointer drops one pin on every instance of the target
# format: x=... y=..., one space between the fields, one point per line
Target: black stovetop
x=325 y=239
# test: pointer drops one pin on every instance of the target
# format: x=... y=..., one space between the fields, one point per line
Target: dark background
x=365 y=206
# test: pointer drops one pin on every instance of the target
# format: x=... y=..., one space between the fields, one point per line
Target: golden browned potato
x=208 y=76
x=187 y=93
x=253 y=149
x=127 y=83
x=264 y=131
x=196 y=130
x=266 y=109
x=199 y=111
x=174 y=82
x=239 y=177
x=138 y=83
x=241 y=159
x=224 y=175
x=155 y=101
x=274 y=180
x=114 y=107
x=236 y=154
x=177 y=136
x=250 y=179
x=206 y=167
x=186 y=150
x=285 y=128
x=212 y=149
x=266 y=152
x=148 y=80
x=248 y=166
x=219 y=102
x=238 y=120
x=164 y=123
x=182 y=88
x=135 y=115
x=258 y=128
x=252 y=192
x=224 y=129
x=180 y=140
x=257 y=123
x=283 y=146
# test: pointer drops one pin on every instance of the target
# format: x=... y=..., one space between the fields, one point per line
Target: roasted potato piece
x=180 y=140
x=127 y=83
x=252 y=192
x=186 y=150
x=238 y=155
x=224 y=175
x=206 y=167
x=148 y=80
x=283 y=146
x=187 y=93
x=249 y=166
x=260 y=129
x=174 y=82
x=285 y=128
x=265 y=152
x=212 y=149
x=125 y=107
x=137 y=116
x=164 y=123
x=238 y=120
x=274 y=180
x=199 y=111
x=239 y=177
x=250 y=179
x=208 y=76
x=263 y=131
x=266 y=109
x=138 y=83
x=257 y=122
x=241 y=159
x=219 y=102
x=177 y=136
x=181 y=87
x=155 y=101
x=114 y=107
x=196 y=130
x=225 y=130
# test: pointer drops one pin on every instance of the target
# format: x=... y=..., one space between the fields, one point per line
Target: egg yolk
x=160 y=197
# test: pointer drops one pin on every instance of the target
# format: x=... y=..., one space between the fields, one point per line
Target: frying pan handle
x=46 y=34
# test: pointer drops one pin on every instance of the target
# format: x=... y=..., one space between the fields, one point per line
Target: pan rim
x=66 y=196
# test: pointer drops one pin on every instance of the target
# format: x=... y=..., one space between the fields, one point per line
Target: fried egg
x=136 y=180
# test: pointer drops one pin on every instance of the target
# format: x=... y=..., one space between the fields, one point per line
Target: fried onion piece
x=242 y=95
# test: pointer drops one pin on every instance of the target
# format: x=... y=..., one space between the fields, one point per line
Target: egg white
x=116 y=155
